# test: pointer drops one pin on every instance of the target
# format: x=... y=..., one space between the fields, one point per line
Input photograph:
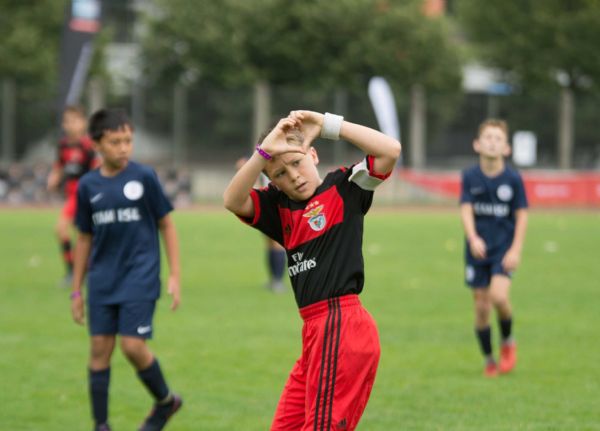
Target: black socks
x=98 y=384
x=484 y=335
x=153 y=379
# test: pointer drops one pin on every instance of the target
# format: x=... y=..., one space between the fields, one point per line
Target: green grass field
x=229 y=348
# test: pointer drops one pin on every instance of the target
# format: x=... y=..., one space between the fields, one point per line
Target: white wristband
x=332 y=124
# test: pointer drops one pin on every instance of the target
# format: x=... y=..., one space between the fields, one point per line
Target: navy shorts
x=480 y=276
x=133 y=319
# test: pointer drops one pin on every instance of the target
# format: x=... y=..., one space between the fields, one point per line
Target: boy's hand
x=310 y=123
x=78 y=310
x=511 y=260
x=477 y=247
x=276 y=143
x=53 y=180
x=174 y=291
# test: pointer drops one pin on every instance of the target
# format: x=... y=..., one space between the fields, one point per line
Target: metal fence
x=207 y=125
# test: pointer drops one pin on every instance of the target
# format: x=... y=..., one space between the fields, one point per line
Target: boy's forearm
x=520 y=229
x=384 y=149
x=80 y=259
x=54 y=177
x=466 y=215
x=237 y=192
x=169 y=235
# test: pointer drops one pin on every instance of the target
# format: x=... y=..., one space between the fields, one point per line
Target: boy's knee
x=59 y=231
x=136 y=351
x=499 y=300
x=482 y=315
x=483 y=308
x=129 y=347
x=483 y=304
x=101 y=350
x=503 y=306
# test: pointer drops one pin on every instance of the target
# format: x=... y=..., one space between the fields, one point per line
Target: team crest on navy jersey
x=316 y=219
x=133 y=190
x=505 y=192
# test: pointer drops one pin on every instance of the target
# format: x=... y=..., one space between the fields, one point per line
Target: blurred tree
x=331 y=45
x=417 y=51
x=30 y=34
x=308 y=42
x=553 y=44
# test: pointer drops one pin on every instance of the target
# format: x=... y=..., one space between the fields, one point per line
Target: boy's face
x=115 y=146
x=295 y=174
x=74 y=124
x=492 y=143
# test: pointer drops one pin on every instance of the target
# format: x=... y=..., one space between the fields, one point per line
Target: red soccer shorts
x=330 y=384
x=70 y=206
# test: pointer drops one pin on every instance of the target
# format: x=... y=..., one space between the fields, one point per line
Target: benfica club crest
x=316 y=220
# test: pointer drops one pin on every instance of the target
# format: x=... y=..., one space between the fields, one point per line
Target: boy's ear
x=507 y=150
x=314 y=155
x=476 y=145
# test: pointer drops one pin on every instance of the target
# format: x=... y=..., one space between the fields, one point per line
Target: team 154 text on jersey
x=489 y=209
x=121 y=215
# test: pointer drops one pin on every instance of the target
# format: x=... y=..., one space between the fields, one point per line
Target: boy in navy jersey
x=121 y=208
x=320 y=224
x=75 y=157
x=494 y=215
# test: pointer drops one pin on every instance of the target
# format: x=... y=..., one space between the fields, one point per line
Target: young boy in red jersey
x=75 y=157
x=320 y=224
x=494 y=215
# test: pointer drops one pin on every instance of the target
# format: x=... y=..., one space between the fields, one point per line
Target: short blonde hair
x=294 y=135
x=493 y=122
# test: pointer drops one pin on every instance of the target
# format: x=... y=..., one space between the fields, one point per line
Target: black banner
x=82 y=22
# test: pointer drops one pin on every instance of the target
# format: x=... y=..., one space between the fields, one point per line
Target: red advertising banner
x=544 y=188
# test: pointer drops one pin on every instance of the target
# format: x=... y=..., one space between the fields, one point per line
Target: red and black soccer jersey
x=323 y=235
x=75 y=159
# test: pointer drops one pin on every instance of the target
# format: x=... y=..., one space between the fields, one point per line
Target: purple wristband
x=263 y=153
x=75 y=294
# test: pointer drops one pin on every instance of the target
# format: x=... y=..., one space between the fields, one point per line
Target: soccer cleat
x=508 y=357
x=491 y=370
x=277 y=286
x=160 y=414
x=102 y=427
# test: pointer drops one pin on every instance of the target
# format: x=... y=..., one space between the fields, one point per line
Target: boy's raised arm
x=383 y=148
x=236 y=197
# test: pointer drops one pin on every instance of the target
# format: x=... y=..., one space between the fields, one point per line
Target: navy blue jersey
x=122 y=213
x=494 y=200
x=322 y=236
